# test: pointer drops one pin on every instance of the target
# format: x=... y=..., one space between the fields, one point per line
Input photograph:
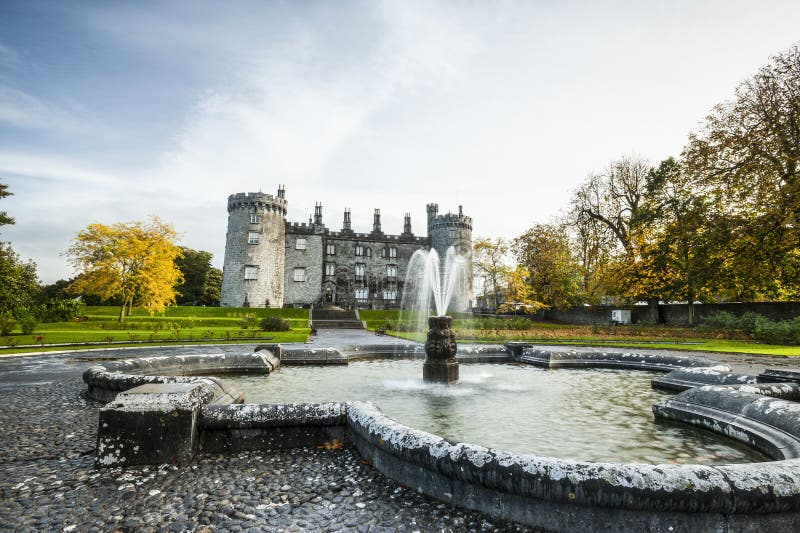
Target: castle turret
x=318 y=214
x=453 y=230
x=407 y=226
x=254 y=250
x=347 y=226
x=376 y=222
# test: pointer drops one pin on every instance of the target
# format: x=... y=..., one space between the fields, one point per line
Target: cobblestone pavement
x=48 y=483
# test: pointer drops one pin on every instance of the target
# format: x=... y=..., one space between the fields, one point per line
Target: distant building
x=270 y=262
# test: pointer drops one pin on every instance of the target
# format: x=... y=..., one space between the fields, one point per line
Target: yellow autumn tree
x=133 y=261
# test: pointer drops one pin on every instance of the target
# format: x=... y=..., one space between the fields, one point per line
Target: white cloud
x=501 y=107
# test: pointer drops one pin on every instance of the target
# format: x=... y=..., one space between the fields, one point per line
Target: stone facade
x=302 y=264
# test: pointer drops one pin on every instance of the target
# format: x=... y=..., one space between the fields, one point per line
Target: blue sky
x=111 y=111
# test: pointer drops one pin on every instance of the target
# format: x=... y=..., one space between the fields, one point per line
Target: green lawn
x=500 y=330
x=177 y=324
x=700 y=345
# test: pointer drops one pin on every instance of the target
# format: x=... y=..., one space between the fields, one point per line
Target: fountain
x=427 y=279
x=440 y=351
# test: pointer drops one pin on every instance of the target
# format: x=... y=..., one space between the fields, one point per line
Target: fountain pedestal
x=440 y=350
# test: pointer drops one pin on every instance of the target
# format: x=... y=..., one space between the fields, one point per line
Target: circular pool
x=588 y=415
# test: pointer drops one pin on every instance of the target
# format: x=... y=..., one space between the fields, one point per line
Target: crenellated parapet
x=447 y=220
x=257 y=201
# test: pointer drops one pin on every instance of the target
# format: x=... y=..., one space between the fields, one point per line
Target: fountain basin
x=552 y=493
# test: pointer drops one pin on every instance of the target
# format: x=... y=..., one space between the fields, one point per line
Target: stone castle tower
x=270 y=262
x=453 y=230
x=254 y=250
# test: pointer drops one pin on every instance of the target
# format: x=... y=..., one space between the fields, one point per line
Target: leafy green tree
x=211 y=296
x=195 y=266
x=19 y=287
x=4 y=218
x=683 y=255
x=746 y=160
x=553 y=275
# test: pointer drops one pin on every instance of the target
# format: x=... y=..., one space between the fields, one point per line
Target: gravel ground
x=48 y=483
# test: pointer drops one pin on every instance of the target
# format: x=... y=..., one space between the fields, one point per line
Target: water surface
x=592 y=415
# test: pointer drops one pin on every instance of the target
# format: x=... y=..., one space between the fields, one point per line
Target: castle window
x=252 y=237
x=390 y=295
x=251 y=272
x=299 y=274
x=330 y=269
x=300 y=244
x=369 y=252
x=391 y=271
x=331 y=249
x=255 y=218
x=383 y=252
x=361 y=270
x=392 y=252
x=362 y=294
x=453 y=234
x=359 y=250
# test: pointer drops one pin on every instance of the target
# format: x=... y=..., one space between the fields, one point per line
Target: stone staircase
x=335 y=319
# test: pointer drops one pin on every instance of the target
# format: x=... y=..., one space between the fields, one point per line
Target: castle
x=270 y=262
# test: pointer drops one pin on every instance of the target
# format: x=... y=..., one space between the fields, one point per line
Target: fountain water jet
x=438 y=283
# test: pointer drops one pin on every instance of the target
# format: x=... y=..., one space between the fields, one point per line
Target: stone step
x=324 y=314
x=338 y=324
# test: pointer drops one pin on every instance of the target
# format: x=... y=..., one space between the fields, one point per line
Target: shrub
x=63 y=310
x=274 y=323
x=27 y=323
x=722 y=320
x=6 y=325
x=248 y=321
x=749 y=321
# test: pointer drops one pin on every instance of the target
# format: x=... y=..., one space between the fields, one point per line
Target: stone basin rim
x=425 y=461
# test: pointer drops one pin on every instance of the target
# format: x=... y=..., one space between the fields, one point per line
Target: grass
x=176 y=325
x=494 y=330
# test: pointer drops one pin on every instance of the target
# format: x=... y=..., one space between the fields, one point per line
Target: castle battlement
x=257 y=200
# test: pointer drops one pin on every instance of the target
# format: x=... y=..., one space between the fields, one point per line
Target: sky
x=114 y=111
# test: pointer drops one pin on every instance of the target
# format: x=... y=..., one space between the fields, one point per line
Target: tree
x=4 y=218
x=552 y=272
x=614 y=200
x=133 y=261
x=593 y=246
x=213 y=291
x=489 y=263
x=682 y=256
x=746 y=160
x=19 y=287
x=519 y=296
x=195 y=266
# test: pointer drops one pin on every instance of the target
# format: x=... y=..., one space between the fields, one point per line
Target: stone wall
x=303 y=293
x=671 y=314
x=376 y=256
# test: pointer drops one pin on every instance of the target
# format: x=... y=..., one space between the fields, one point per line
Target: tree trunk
x=122 y=311
x=652 y=311
x=690 y=298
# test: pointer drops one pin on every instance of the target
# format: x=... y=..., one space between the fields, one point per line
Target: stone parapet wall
x=670 y=314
